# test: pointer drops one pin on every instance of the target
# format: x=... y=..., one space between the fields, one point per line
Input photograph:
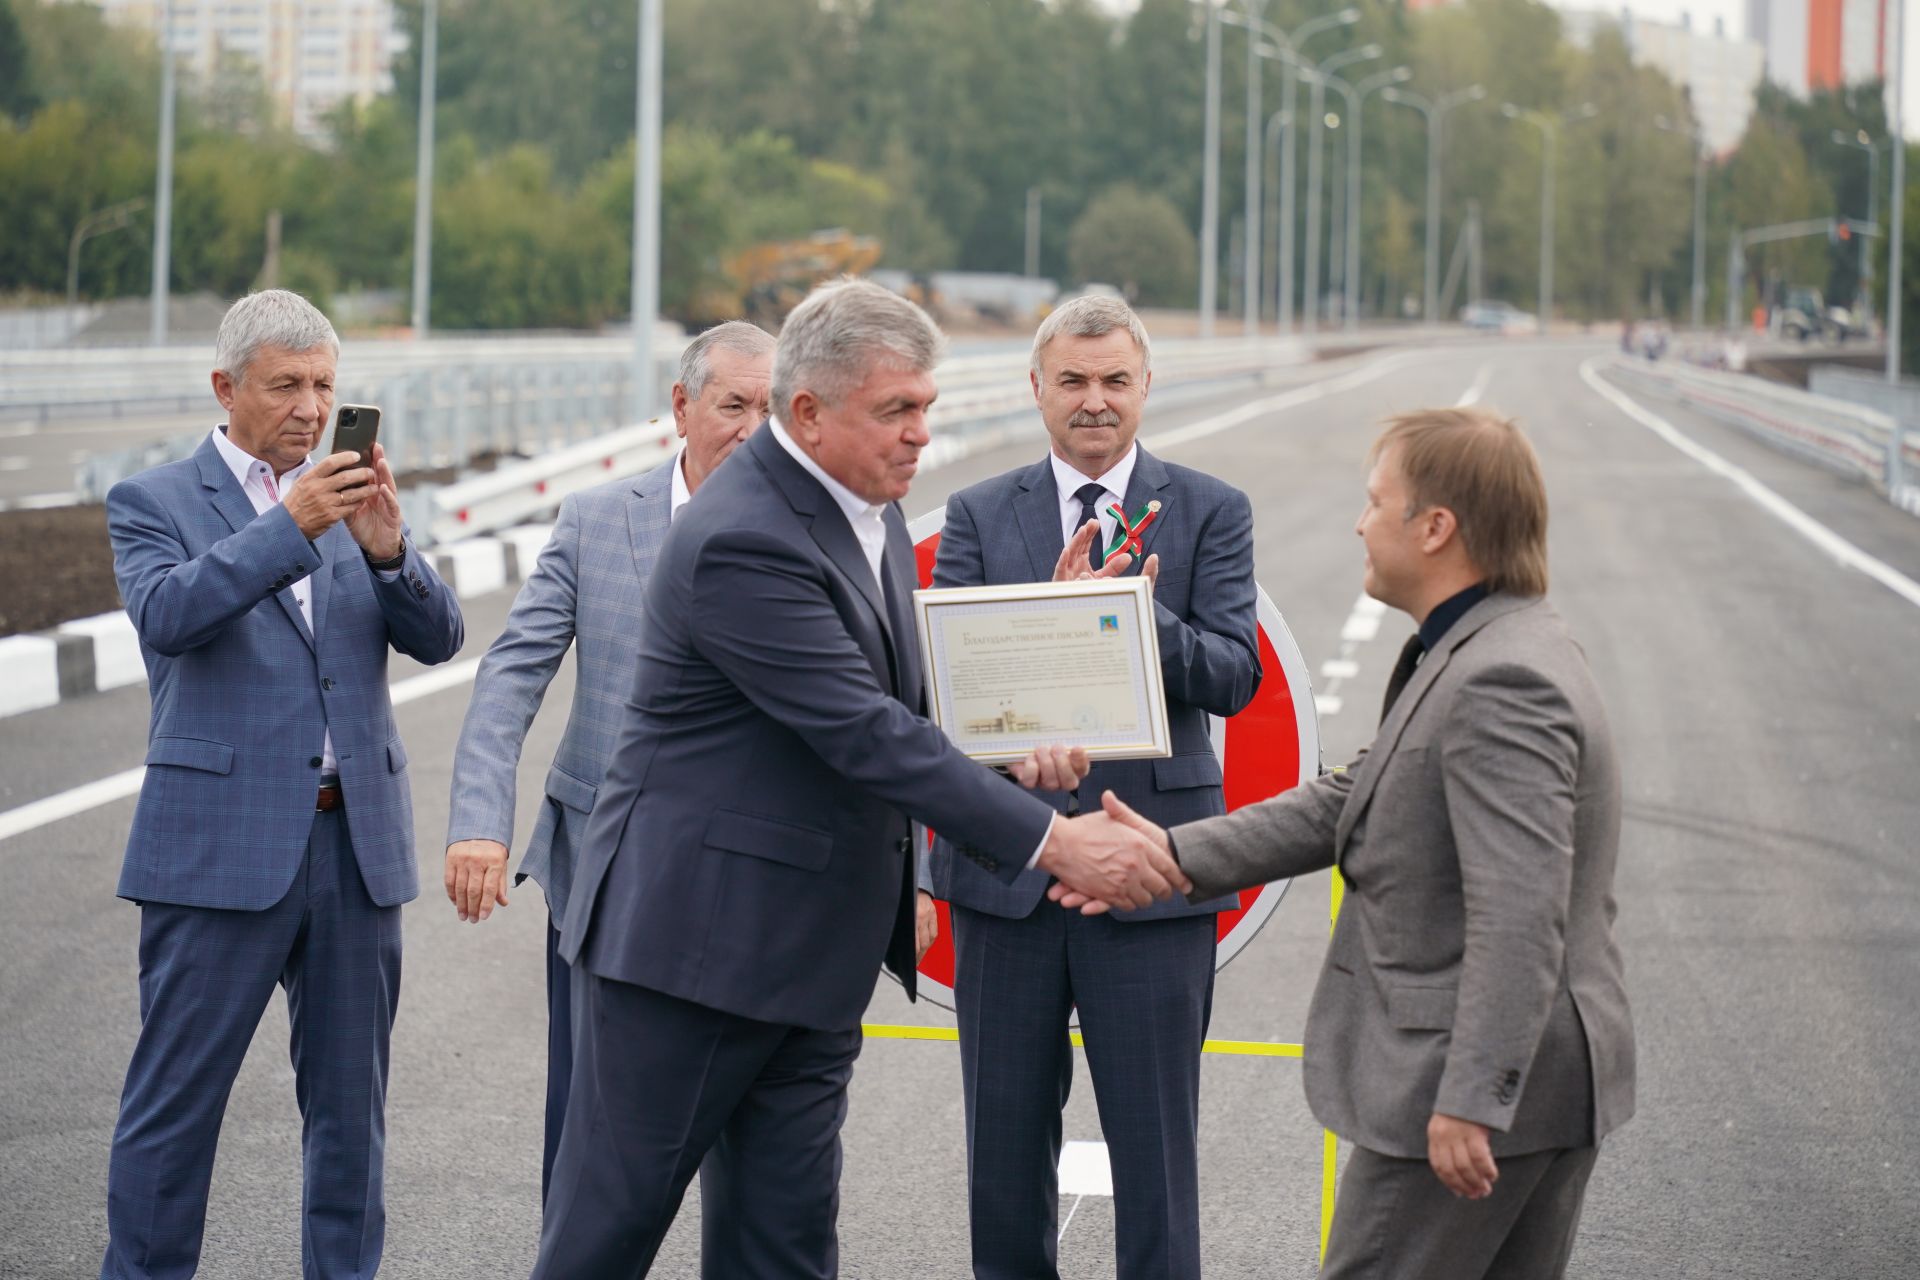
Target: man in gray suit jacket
x=587 y=589
x=1470 y=1032
x=1022 y=966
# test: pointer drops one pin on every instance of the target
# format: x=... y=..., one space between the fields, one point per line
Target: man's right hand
x=1100 y=860
x=1112 y=807
x=476 y=878
x=1076 y=558
x=329 y=493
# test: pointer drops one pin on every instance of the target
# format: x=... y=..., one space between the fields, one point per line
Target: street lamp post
x=1699 y=143
x=1283 y=49
x=646 y=210
x=1549 y=126
x=1356 y=96
x=1210 y=178
x=1250 y=280
x=163 y=186
x=1434 y=111
x=1316 y=122
x=423 y=174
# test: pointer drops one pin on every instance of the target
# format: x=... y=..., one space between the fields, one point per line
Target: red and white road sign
x=1272 y=745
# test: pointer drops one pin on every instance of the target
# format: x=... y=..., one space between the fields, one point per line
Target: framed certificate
x=1015 y=667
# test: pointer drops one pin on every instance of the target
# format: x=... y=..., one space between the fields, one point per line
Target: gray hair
x=270 y=318
x=1092 y=316
x=737 y=336
x=840 y=331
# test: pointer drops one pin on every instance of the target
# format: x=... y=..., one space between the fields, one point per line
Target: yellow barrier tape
x=1329 y=1143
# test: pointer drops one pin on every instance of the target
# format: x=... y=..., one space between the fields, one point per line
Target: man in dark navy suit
x=1142 y=980
x=747 y=865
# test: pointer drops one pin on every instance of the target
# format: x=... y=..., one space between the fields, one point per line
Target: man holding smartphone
x=273 y=841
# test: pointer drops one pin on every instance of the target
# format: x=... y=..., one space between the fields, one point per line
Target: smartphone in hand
x=355 y=427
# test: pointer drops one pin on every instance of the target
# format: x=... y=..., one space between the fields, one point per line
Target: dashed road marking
x=1362 y=625
x=1471 y=396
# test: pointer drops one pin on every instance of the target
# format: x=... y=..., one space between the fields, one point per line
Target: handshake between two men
x=1108 y=859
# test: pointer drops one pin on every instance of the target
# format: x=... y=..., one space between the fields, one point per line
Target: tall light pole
x=1316 y=122
x=423 y=173
x=1033 y=232
x=1549 y=126
x=1896 y=301
x=1434 y=111
x=1356 y=96
x=1863 y=142
x=1284 y=46
x=1250 y=279
x=163 y=187
x=1210 y=178
x=1699 y=144
x=646 y=211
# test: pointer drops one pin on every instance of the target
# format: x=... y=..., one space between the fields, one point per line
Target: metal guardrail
x=978 y=393
x=1851 y=439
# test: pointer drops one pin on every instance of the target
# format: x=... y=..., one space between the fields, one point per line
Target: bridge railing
x=1852 y=439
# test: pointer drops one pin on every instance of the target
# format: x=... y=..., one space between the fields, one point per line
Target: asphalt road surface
x=1766 y=703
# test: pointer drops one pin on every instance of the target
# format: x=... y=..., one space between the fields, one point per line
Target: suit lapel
x=231 y=501
x=900 y=567
x=825 y=522
x=1037 y=508
x=1404 y=707
x=648 y=511
x=1151 y=482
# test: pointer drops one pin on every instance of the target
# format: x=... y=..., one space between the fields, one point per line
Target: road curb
x=92 y=655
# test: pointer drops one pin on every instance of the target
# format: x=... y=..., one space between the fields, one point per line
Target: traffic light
x=1842 y=232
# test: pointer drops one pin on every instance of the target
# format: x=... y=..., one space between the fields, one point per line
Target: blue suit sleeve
x=513 y=679
x=1212 y=659
x=423 y=618
x=760 y=612
x=178 y=603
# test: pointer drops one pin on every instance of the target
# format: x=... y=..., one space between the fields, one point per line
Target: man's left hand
x=926 y=925
x=375 y=523
x=1054 y=768
x=1461 y=1156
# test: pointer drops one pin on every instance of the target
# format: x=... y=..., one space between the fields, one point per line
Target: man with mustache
x=1142 y=980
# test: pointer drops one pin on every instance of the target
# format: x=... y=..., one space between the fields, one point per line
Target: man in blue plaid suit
x=1142 y=980
x=273 y=841
x=588 y=587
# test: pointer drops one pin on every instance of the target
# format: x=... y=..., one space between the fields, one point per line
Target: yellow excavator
x=766 y=280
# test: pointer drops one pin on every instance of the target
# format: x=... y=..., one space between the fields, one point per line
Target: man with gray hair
x=748 y=863
x=273 y=841
x=1022 y=966
x=586 y=592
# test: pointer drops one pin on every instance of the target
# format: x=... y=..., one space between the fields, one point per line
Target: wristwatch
x=386 y=566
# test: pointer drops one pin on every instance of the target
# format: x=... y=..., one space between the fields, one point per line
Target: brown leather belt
x=328 y=798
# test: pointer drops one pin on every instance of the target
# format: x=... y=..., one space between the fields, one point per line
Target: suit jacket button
x=314 y=763
x=327 y=683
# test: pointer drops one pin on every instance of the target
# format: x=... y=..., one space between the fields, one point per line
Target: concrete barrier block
x=474 y=566
x=524 y=545
x=116 y=648
x=32 y=679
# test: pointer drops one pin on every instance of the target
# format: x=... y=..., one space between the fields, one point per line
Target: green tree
x=1137 y=240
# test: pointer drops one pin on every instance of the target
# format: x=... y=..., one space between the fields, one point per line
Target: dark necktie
x=1402 y=672
x=1089 y=494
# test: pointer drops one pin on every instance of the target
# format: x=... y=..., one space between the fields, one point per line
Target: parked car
x=1496 y=317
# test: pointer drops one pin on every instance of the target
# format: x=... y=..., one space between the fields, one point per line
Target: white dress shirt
x=1069 y=482
x=254 y=476
x=867 y=519
x=680 y=495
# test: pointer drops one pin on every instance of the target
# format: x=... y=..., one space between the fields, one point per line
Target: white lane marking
x=15 y=463
x=15 y=430
x=1843 y=552
x=1275 y=404
x=1362 y=625
x=1471 y=396
x=119 y=786
x=1085 y=1170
